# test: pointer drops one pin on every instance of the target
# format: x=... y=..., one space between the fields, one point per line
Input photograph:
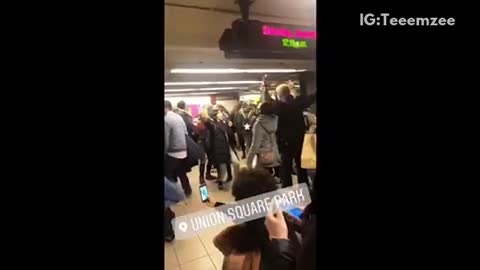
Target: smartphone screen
x=203 y=192
x=296 y=212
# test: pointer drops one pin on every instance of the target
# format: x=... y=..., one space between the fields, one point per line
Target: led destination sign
x=255 y=39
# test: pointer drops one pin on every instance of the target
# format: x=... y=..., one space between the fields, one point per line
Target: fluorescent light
x=233 y=70
x=210 y=83
x=205 y=89
x=190 y=94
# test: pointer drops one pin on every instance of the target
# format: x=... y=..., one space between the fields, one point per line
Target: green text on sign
x=292 y=43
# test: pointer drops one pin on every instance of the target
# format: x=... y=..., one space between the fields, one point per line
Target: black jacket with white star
x=243 y=122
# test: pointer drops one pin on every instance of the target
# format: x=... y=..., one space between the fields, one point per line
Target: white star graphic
x=246 y=126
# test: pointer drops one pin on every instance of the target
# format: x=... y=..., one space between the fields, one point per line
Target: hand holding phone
x=276 y=225
x=296 y=212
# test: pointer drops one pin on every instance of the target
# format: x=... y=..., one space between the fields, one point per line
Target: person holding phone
x=246 y=244
x=278 y=234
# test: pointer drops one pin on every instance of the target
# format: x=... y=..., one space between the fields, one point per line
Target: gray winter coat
x=175 y=131
x=264 y=139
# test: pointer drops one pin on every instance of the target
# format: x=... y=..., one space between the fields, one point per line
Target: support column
x=308 y=86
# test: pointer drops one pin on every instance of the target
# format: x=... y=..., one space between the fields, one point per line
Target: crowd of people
x=269 y=137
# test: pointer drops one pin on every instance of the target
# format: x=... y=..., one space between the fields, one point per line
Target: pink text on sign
x=283 y=32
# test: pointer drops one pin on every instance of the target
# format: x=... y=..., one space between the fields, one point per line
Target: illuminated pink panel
x=277 y=32
x=306 y=35
x=283 y=32
x=266 y=30
x=194 y=110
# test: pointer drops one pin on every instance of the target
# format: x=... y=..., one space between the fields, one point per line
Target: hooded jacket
x=264 y=139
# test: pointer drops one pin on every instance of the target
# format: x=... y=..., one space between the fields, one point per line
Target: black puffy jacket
x=221 y=141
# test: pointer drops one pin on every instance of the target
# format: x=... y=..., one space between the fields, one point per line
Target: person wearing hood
x=187 y=117
x=264 y=142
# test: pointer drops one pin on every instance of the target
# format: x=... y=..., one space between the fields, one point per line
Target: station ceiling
x=193 y=28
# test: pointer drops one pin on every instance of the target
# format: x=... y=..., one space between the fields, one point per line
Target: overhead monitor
x=255 y=39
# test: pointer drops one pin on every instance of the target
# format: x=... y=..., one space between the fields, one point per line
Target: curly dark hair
x=252 y=182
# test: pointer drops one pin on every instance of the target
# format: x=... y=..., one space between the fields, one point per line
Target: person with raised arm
x=291 y=129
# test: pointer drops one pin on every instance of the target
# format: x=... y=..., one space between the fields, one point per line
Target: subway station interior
x=228 y=53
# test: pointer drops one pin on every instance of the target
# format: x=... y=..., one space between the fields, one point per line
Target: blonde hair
x=283 y=90
x=204 y=111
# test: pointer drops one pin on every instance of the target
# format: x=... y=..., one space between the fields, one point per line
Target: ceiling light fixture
x=233 y=70
x=204 y=89
x=190 y=94
x=212 y=83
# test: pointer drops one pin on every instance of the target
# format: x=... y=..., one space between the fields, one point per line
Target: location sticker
x=183 y=226
x=241 y=211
